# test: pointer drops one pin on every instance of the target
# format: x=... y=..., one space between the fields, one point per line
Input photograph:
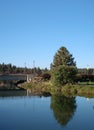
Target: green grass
x=86 y=83
x=82 y=90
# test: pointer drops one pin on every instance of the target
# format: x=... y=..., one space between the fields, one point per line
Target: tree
x=63 y=57
x=63 y=67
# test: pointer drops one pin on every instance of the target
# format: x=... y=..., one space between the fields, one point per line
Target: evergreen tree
x=63 y=67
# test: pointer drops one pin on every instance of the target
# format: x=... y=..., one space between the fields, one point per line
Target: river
x=22 y=111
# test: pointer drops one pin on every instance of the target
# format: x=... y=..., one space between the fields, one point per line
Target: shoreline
x=67 y=90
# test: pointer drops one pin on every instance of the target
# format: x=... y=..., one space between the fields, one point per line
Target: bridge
x=16 y=77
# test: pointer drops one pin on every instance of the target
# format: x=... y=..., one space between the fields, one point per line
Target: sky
x=31 y=31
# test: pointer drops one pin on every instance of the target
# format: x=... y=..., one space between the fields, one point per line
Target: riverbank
x=69 y=89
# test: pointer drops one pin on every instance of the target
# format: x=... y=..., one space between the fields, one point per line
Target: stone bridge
x=16 y=77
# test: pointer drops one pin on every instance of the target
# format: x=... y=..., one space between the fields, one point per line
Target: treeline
x=85 y=75
x=84 y=71
x=12 y=69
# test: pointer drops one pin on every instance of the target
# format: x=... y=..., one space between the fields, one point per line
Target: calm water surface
x=21 y=112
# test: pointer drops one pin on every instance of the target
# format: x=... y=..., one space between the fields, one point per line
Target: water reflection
x=4 y=84
x=21 y=112
x=63 y=108
x=10 y=84
x=12 y=93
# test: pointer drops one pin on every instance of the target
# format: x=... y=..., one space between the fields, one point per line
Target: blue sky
x=33 y=30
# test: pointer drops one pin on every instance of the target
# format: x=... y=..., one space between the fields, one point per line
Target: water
x=21 y=112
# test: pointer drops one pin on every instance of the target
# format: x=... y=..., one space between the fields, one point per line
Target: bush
x=46 y=76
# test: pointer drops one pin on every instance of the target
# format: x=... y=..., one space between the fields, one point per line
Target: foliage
x=46 y=76
x=38 y=88
x=63 y=67
x=63 y=75
x=85 y=71
x=63 y=57
x=86 y=90
x=67 y=90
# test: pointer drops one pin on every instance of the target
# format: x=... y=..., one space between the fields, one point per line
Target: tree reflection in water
x=63 y=108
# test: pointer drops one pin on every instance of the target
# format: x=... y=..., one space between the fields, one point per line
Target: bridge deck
x=13 y=77
x=17 y=77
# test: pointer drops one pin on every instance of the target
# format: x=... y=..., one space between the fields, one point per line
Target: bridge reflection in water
x=13 y=93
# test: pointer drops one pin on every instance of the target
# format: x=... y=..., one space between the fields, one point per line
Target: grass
x=86 y=83
x=81 y=90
